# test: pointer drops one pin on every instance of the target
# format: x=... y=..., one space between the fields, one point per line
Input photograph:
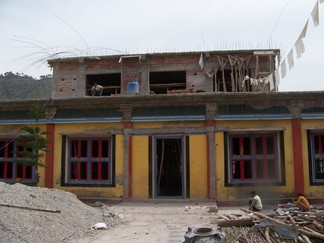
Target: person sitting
x=255 y=202
x=302 y=202
x=96 y=89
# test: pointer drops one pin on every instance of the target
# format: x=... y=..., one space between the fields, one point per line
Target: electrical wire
x=275 y=27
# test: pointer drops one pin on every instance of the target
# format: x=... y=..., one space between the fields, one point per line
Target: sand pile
x=67 y=217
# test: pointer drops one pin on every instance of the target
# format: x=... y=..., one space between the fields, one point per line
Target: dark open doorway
x=169 y=167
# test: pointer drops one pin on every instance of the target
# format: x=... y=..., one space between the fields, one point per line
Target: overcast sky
x=35 y=30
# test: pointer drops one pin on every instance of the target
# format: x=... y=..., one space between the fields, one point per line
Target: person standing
x=255 y=202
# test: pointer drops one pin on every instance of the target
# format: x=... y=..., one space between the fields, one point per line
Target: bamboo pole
x=266 y=234
x=307 y=232
x=30 y=208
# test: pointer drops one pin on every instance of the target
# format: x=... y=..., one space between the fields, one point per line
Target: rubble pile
x=283 y=225
x=34 y=214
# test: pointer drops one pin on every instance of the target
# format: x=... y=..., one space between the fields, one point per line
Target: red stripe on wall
x=298 y=156
x=49 y=159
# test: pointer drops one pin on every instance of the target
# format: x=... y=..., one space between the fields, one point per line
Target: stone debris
x=48 y=215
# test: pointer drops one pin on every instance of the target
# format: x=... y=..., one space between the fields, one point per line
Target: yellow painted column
x=198 y=167
x=140 y=180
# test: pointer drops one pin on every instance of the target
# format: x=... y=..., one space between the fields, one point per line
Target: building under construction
x=196 y=125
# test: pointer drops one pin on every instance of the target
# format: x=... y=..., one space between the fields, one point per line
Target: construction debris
x=283 y=225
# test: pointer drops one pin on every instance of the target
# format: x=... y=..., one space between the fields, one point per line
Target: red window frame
x=7 y=161
x=89 y=160
x=253 y=158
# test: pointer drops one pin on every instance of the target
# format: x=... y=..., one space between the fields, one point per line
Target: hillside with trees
x=21 y=86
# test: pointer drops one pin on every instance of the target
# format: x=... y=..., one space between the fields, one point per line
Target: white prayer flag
x=283 y=69
x=315 y=14
x=201 y=61
x=291 y=63
x=271 y=83
x=303 y=33
x=277 y=78
x=300 y=48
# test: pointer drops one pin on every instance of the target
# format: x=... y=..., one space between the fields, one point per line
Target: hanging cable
x=283 y=9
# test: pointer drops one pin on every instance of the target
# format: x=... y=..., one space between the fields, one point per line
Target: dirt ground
x=34 y=214
x=157 y=222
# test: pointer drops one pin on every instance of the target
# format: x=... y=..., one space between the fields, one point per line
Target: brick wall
x=70 y=75
x=102 y=64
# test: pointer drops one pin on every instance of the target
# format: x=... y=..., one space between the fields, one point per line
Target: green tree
x=32 y=139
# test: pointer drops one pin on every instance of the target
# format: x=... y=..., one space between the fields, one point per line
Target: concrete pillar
x=211 y=110
x=212 y=187
x=145 y=85
x=127 y=130
x=127 y=160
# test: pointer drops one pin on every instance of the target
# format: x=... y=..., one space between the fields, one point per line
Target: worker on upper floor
x=96 y=89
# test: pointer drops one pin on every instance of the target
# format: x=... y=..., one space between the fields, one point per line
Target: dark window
x=162 y=82
x=110 y=82
x=9 y=170
x=253 y=158
x=90 y=161
x=317 y=158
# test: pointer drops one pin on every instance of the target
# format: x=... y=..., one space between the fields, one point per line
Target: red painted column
x=49 y=158
x=298 y=156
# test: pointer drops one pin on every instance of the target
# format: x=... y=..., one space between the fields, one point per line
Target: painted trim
x=169 y=118
x=49 y=159
x=253 y=117
x=63 y=157
x=311 y=158
x=312 y=116
x=183 y=161
x=56 y=121
x=249 y=129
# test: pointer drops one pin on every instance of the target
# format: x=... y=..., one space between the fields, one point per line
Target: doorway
x=169 y=169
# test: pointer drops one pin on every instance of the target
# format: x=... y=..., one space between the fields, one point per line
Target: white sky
x=33 y=30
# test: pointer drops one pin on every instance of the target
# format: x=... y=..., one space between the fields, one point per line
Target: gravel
x=71 y=219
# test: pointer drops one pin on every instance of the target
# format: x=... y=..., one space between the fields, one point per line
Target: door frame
x=183 y=164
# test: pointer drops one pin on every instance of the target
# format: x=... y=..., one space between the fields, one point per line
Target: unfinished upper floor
x=166 y=73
